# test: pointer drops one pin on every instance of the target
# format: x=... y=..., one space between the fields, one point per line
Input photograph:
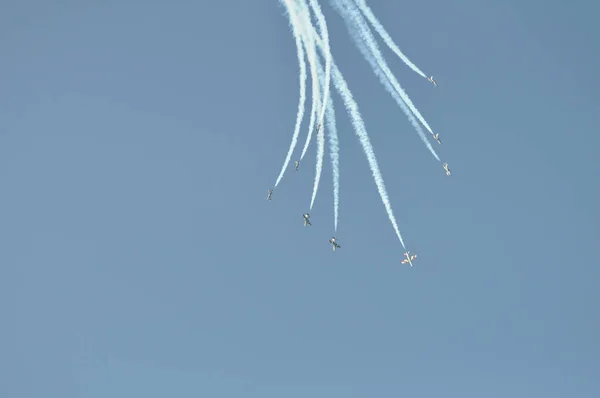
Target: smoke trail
x=366 y=10
x=379 y=65
x=312 y=54
x=367 y=35
x=353 y=112
x=301 y=102
x=320 y=142
x=325 y=35
x=334 y=153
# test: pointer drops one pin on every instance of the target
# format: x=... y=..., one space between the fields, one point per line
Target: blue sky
x=139 y=256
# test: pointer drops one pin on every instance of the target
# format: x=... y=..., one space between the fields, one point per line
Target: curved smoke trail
x=352 y=109
x=365 y=42
x=366 y=10
x=301 y=102
x=320 y=142
x=334 y=153
x=325 y=35
x=312 y=54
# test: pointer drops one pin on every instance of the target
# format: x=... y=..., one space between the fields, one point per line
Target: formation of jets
x=334 y=245
x=409 y=258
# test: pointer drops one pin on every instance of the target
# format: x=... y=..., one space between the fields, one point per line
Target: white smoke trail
x=325 y=36
x=320 y=141
x=352 y=108
x=366 y=10
x=367 y=35
x=365 y=42
x=334 y=153
x=312 y=54
x=301 y=102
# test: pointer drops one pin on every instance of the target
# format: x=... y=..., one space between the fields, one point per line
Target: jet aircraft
x=306 y=217
x=297 y=164
x=269 y=194
x=334 y=243
x=409 y=258
x=433 y=81
x=447 y=169
x=436 y=137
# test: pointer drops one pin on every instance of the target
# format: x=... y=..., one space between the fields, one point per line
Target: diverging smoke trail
x=320 y=141
x=325 y=36
x=366 y=10
x=312 y=54
x=352 y=13
x=364 y=40
x=301 y=101
x=352 y=109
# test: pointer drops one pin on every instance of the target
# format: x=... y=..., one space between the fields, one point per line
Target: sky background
x=139 y=257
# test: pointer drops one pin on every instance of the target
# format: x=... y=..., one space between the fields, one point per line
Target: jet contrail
x=320 y=141
x=334 y=153
x=351 y=107
x=332 y=134
x=365 y=41
x=301 y=102
x=367 y=35
x=312 y=54
x=366 y=10
x=325 y=36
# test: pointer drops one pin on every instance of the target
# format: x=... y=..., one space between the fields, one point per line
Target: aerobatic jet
x=436 y=137
x=433 y=81
x=297 y=164
x=269 y=194
x=306 y=217
x=334 y=243
x=409 y=258
x=447 y=169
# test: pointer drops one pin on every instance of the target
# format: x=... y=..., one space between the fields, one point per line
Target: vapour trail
x=367 y=36
x=325 y=37
x=312 y=54
x=364 y=40
x=320 y=141
x=301 y=103
x=341 y=86
x=334 y=153
x=366 y=10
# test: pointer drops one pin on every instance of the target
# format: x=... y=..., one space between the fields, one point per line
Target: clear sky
x=139 y=257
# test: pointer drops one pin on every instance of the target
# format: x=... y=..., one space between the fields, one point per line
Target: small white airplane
x=447 y=169
x=269 y=194
x=297 y=164
x=334 y=243
x=433 y=81
x=306 y=217
x=318 y=127
x=409 y=258
x=436 y=137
